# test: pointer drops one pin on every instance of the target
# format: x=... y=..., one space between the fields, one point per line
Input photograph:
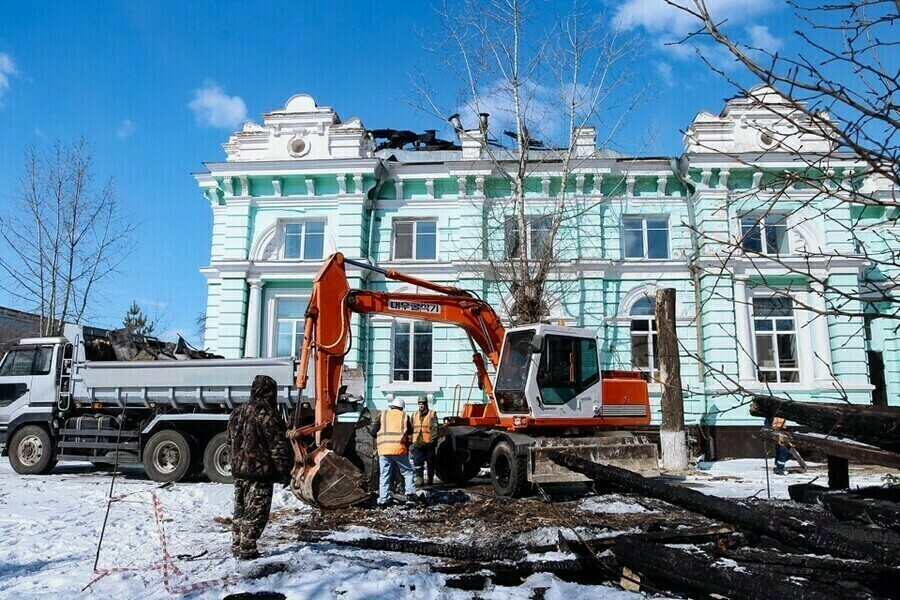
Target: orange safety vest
x=392 y=433
x=422 y=426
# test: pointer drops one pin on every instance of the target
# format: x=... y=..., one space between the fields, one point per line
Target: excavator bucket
x=328 y=480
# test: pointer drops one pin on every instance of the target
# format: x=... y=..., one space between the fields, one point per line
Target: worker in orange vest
x=392 y=432
x=425 y=434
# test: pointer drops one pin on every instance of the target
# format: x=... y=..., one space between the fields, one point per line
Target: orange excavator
x=547 y=393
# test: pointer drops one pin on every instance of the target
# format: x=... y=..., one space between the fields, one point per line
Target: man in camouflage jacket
x=260 y=456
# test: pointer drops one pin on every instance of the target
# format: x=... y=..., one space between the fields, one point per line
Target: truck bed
x=179 y=383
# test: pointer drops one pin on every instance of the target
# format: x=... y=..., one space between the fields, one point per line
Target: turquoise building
x=771 y=291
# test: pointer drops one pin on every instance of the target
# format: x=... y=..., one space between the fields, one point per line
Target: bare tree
x=837 y=117
x=64 y=234
x=547 y=82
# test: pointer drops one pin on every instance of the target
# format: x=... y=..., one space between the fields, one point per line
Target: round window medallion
x=766 y=139
x=297 y=147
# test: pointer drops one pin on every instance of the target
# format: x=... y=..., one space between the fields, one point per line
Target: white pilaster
x=251 y=338
x=746 y=369
x=821 y=339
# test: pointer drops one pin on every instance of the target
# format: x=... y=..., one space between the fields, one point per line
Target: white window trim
x=529 y=220
x=271 y=323
x=415 y=221
x=802 y=336
x=284 y=225
x=644 y=237
x=653 y=368
x=409 y=383
x=761 y=216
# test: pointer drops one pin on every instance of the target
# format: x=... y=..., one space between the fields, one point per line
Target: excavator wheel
x=508 y=471
x=452 y=467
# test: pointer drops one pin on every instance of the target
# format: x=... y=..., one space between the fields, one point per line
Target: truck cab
x=29 y=391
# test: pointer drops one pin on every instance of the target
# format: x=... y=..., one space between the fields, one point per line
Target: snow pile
x=612 y=507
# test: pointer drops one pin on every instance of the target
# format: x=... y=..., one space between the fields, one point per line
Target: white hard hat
x=397 y=403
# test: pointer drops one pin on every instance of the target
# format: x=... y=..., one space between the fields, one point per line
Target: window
x=512 y=374
x=644 y=339
x=288 y=326
x=646 y=237
x=537 y=239
x=27 y=361
x=765 y=234
x=415 y=240
x=776 y=340
x=568 y=367
x=304 y=240
x=412 y=351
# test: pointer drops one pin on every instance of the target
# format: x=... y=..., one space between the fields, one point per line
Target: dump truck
x=86 y=396
x=547 y=392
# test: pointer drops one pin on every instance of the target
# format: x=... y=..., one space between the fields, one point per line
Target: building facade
x=305 y=184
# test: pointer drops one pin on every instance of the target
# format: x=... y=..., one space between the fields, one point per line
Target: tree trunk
x=673 y=441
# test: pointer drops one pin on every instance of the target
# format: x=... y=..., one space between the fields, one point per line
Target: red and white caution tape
x=167 y=564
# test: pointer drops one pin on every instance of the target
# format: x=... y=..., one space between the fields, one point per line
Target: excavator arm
x=321 y=476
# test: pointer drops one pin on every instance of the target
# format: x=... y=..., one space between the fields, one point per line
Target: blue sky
x=157 y=86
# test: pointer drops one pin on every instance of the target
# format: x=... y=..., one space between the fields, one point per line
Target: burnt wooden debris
x=878 y=426
x=778 y=550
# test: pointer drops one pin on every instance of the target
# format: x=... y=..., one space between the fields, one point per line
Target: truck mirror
x=537 y=343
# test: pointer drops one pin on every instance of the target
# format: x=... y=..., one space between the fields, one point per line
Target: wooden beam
x=855 y=452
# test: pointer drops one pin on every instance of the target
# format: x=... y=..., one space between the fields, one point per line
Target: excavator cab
x=549 y=371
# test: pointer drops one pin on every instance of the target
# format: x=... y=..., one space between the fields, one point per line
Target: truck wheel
x=216 y=459
x=167 y=456
x=31 y=451
x=450 y=467
x=508 y=471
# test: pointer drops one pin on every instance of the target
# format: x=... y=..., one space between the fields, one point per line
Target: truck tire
x=508 y=471
x=216 y=459
x=451 y=467
x=31 y=451
x=167 y=456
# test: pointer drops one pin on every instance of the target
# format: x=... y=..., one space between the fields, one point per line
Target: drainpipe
x=381 y=172
x=679 y=168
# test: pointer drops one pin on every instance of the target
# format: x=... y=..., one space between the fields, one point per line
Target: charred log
x=423 y=548
x=695 y=572
x=847 y=507
x=728 y=511
x=875 y=425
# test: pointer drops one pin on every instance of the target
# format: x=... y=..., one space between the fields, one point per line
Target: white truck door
x=26 y=374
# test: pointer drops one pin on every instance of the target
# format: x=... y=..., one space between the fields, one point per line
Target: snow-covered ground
x=49 y=528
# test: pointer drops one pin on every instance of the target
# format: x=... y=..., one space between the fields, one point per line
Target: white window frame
x=526 y=239
x=761 y=218
x=799 y=369
x=645 y=239
x=411 y=357
x=415 y=236
x=652 y=369
x=303 y=222
x=271 y=324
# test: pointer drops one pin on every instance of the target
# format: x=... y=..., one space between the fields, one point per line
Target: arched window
x=643 y=339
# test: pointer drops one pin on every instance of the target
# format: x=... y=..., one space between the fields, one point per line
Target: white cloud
x=214 y=108
x=125 y=129
x=38 y=132
x=664 y=72
x=762 y=39
x=7 y=70
x=657 y=16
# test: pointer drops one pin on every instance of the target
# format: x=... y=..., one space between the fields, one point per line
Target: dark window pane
x=18 y=363
x=422 y=355
x=787 y=351
x=513 y=370
x=765 y=352
x=511 y=237
x=426 y=241
x=540 y=233
x=590 y=367
x=640 y=351
x=751 y=234
x=640 y=325
x=768 y=376
x=42 y=361
x=790 y=376
x=763 y=325
x=658 y=224
x=634 y=244
x=401 y=351
x=403 y=241
x=658 y=243
x=643 y=307
x=557 y=375
x=784 y=324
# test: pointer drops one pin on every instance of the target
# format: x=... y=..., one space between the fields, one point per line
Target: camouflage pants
x=252 y=502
